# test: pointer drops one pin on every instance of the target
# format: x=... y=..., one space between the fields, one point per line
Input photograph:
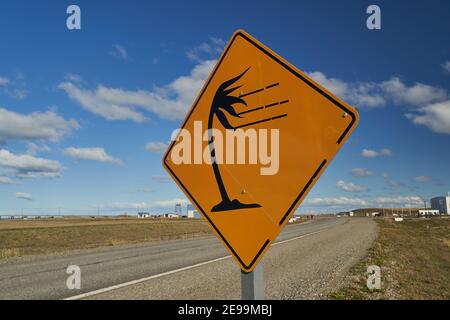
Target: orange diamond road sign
x=256 y=140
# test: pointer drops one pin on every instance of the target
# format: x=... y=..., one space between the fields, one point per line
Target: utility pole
x=425 y=206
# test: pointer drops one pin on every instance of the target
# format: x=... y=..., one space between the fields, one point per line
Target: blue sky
x=85 y=114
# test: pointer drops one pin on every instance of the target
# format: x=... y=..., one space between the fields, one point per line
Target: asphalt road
x=313 y=260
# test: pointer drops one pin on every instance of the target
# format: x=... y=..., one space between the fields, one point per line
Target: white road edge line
x=129 y=283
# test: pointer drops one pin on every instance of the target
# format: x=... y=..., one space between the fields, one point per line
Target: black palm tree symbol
x=224 y=102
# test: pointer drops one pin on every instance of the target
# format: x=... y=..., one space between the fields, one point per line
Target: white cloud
x=350 y=187
x=218 y=42
x=396 y=184
x=94 y=154
x=161 y=179
x=16 y=89
x=345 y=202
x=37 y=175
x=400 y=200
x=377 y=94
x=6 y=180
x=33 y=148
x=171 y=203
x=417 y=95
x=337 y=201
x=73 y=77
x=361 y=94
x=385 y=152
x=422 y=179
x=4 y=81
x=23 y=195
x=99 y=103
x=446 y=66
x=18 y=94
x=143 y=190
x=434 y=116
x=361 y=172
x=156 y=146
x=430 y=104
x=27 y=166
x=206 y=50
x=34 y=126
x=337 y=86
x=126 y=206
x=119 y=51
x=368 y=153
x=169 y=102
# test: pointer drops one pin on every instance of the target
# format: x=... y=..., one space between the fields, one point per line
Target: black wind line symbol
x=261 y=107
x=258 y=90
x=264 y=107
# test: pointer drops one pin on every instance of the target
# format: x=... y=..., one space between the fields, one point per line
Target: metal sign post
x=252 y=284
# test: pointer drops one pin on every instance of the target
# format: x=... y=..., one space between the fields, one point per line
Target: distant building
x=375 y=214
x=442 y=204
x=143 y=215
x=171 y=215
x=192 y=212
x=178 y=209
x=428 y=212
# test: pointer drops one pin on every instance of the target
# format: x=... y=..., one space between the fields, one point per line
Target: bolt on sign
x=256 y=140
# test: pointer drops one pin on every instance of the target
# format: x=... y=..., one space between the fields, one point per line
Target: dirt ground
x=414 y=257
x=80 y=221
x=25 y=237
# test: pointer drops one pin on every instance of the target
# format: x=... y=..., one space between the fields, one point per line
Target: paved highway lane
x=45 y=277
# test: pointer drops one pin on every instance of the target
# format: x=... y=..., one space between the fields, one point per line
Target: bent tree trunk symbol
x=224 y=102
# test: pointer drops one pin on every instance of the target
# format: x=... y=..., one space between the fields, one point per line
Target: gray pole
x=252 y=284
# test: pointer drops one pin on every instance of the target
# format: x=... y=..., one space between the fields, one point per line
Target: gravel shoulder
x=305 y=268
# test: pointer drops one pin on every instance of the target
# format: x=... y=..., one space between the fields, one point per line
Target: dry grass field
x=43 y=236
x=414 y=257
